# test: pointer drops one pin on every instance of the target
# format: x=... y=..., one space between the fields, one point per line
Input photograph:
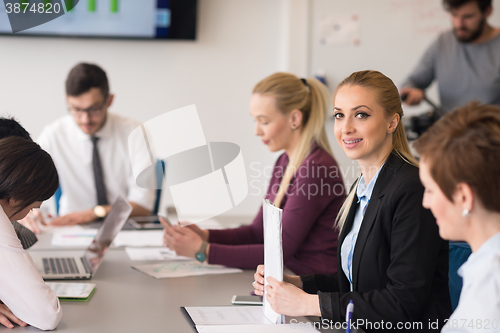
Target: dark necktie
x=100 y=188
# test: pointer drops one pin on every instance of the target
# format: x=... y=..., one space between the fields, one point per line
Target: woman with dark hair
x=460 y=172
x=392 y=264
x=27 y=177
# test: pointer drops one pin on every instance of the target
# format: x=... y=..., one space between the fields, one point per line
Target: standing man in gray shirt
x=465 y=61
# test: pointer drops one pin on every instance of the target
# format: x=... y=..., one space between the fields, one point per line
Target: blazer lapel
x=384 y=181
x=344 y=284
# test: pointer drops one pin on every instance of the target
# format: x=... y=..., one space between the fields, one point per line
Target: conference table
x=126 y=300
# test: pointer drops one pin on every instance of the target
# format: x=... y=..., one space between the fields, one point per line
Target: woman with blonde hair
x=393 y=265
x=460 y=172
x=290 y=115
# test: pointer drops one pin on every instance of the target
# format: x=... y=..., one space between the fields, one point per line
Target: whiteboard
x=393 y=35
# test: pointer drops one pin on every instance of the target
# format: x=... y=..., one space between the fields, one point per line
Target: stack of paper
x=273 y=254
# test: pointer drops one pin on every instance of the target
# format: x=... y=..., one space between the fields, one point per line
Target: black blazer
x=400 y=264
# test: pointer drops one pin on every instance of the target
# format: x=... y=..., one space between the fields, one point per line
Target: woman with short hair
x=460 y=170
x=27 y=177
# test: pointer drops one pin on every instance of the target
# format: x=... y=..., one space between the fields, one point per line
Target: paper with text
x=227 y=315
x=183 y=268
x=73 y=236
x=273 y=254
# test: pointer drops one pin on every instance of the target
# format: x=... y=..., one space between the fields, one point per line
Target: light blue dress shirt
x=478 y=309
x=364 y=193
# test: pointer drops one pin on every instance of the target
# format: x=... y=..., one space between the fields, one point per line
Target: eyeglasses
x=92 y=111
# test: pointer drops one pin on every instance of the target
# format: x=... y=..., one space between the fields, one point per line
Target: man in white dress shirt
x=89 y=147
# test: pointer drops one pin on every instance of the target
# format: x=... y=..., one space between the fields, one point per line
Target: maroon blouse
x=309 y=206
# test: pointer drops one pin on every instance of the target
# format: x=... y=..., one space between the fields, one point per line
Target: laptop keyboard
x=59 y=266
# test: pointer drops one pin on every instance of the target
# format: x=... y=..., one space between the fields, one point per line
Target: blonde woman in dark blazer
x=391 y=261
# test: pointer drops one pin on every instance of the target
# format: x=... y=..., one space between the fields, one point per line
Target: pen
x=348 y=316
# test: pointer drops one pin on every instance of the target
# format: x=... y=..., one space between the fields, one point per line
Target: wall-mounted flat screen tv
x=136 y=19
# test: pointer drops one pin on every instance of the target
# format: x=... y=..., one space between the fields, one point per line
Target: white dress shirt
x=21 y=286
x=71 y=150
x=478 y=309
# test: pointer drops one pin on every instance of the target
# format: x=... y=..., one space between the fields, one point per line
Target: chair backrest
x=159 y=173
x=459 y=253
x=57 y=197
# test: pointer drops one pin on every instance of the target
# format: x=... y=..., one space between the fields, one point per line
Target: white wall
x=393 y=36
x=239 y=42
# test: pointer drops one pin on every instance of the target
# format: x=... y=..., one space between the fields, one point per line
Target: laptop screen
x=111 y=226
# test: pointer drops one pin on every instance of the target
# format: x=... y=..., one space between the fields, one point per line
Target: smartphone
x=247 y=300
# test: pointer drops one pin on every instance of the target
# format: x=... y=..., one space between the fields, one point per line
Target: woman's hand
x=258 y=283
x=6 y=316
x=286 y=298
x=203 y=233
x=183 y=240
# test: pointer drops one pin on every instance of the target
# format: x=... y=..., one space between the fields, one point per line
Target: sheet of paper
x=183 y=268
x=235 y=315
x=227 y=315
x=139 y=238
x=339 y=29
x=300 y=328
x=153 y=253
x=273 y=254
x=73 y=236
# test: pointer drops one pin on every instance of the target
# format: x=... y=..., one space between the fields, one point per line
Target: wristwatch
x=100 y=211
x=201 y=255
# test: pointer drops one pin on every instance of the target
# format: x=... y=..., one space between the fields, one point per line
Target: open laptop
x=61 y=267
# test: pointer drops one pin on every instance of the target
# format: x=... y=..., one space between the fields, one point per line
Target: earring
x=465 y=213
x=294 y=126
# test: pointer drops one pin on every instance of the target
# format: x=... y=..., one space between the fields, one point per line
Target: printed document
x=183 y=268
x=273 y=254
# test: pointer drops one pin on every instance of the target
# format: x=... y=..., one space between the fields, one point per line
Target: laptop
x=61 y=267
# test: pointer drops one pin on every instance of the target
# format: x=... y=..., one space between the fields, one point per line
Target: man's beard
x=474 y=35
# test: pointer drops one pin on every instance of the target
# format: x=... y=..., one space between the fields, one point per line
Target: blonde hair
x=388 y=97
x=310 y=97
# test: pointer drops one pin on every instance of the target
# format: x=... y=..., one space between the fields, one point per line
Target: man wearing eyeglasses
x=89 y=147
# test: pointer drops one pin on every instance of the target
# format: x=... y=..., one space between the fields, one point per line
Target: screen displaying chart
x=145 y=19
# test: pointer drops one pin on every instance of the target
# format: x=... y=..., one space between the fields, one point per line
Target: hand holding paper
x=273 y=255
x=286 y=298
